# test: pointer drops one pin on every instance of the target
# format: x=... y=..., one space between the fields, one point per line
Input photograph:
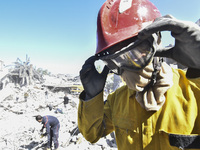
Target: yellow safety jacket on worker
x=175 y=126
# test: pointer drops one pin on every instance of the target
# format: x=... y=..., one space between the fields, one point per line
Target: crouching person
x=52 y=126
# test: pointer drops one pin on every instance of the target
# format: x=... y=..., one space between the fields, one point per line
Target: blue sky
x=59 y=35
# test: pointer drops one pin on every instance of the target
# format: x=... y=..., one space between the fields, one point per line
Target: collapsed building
x=24 y=74
x=21 y=73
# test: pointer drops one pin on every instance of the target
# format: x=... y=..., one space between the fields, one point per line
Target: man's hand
x=43 y=135
x=187 y=40
x=93 y=81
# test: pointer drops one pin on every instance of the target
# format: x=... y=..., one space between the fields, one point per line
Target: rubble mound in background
x=21 y=131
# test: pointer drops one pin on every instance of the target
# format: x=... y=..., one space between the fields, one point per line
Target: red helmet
x=119 y=20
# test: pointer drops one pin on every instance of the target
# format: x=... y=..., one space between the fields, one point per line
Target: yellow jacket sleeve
x=93 y=123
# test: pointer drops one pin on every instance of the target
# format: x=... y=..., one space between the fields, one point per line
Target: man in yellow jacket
x=158 y=108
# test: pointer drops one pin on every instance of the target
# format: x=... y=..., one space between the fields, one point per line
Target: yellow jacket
x=176 y=125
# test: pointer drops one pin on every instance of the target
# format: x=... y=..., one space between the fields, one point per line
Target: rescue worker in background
x=52 y=126
x=66 y=100
x=158 y=108
x=25 y=96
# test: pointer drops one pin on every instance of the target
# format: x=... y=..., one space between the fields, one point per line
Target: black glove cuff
x=83 y=96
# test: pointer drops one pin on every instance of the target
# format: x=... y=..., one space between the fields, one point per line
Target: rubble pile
x=20 y=131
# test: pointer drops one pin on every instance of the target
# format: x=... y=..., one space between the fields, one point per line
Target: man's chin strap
x=152 y=97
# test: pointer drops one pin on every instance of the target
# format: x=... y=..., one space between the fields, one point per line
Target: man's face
x=40 y=121
x=132 y=58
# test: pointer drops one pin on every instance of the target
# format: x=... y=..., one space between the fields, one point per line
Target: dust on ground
x=20 y=130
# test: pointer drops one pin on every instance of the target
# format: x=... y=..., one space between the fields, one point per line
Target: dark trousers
x=54 y=134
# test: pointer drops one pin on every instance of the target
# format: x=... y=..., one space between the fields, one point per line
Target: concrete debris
x=19 y=104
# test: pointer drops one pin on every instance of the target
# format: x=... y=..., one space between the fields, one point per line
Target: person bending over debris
x=159 y=107
x=52 y=126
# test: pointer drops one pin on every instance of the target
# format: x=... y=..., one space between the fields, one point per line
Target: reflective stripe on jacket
x=176 y=125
